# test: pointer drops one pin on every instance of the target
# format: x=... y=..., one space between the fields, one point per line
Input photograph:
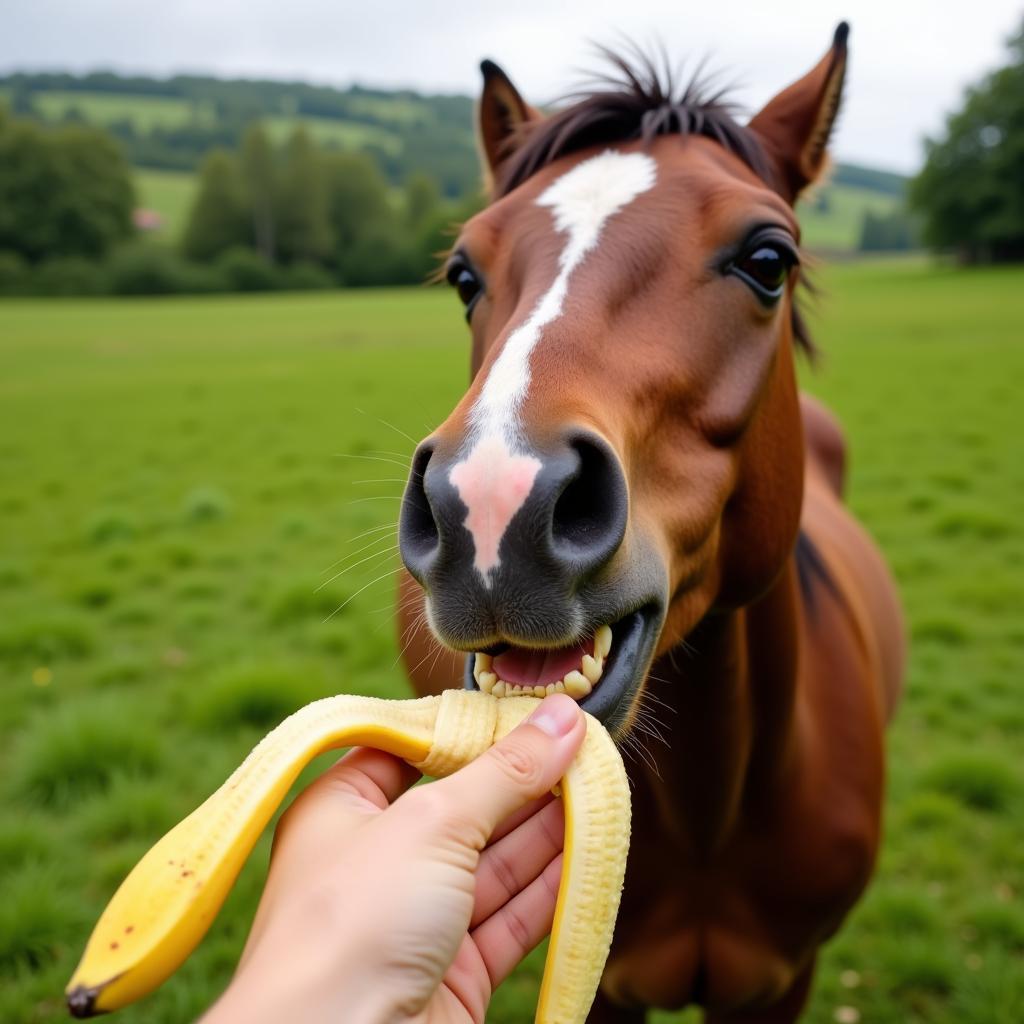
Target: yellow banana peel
x=169 y=900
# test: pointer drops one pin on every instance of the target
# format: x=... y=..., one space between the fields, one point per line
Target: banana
x=169 y=900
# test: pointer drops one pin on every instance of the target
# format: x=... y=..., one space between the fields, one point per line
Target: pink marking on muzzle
x=493 y=484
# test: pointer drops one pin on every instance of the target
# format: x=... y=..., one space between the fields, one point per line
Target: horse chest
x=734 y=928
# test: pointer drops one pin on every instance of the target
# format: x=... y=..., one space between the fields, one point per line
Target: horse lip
x=634 y=636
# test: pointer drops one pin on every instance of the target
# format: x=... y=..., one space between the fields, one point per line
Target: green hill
x=166 y=126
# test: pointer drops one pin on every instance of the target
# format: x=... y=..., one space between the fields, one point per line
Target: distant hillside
x=168 y=125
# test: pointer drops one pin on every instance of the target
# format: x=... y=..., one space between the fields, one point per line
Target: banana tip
x=82 y=1001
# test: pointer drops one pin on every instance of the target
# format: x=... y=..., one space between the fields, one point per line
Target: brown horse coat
x=668 y=475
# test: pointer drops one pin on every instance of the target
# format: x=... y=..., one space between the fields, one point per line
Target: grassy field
x=169 y=193
x=178 y=476
x=349 y=135
x=145 y=112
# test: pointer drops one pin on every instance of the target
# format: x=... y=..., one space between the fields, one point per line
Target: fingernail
x=556 y=715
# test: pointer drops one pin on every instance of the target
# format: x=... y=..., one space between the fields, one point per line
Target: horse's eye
x=463 y=279
x=765 y=267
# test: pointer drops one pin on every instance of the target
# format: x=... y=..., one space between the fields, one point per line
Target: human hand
x=387 y=905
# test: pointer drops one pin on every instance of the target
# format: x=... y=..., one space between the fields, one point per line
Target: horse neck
x=730 y=732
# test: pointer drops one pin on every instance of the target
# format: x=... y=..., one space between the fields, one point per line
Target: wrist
x=320 y=988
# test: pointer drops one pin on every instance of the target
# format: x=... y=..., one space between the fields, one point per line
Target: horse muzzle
x=521 y=552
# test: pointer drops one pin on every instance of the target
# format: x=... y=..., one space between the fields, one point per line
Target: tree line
x=264 y=217
x=303 y=205
x=299 y=215
x=970 y=192
x=433 y=131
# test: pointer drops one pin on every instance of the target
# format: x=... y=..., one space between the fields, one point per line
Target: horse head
x=628 y=457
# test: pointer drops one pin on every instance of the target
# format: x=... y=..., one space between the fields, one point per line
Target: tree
x=887 y=232
x=364 y=225
x=303 y=226
x=219 y=218
x=421 y=199
x=260 y=175
x=970 y=192
x=63 y=192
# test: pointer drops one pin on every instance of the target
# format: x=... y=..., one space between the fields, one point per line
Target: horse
x=634 y=503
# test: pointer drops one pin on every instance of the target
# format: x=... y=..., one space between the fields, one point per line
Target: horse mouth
x=602 y=670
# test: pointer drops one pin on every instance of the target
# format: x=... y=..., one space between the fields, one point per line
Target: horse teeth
x=577 y=685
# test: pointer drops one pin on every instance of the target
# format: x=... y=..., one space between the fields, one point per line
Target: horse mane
x=636 y=99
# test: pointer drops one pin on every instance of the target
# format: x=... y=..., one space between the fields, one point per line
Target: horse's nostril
x=589 y=518
x=418 y=535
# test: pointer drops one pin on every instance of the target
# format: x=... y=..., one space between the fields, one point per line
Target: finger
x=362 y=781
x=378 y=777
x=509 y=866
x=516 y=770
x=516 y=818
x=511 y=932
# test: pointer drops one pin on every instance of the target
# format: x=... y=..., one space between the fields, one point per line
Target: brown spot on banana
x=438 y=735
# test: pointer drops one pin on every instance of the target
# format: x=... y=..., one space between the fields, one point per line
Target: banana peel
x=164 y=907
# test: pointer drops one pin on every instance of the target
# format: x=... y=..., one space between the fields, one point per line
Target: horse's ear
x=795 y=125
x=502 y=114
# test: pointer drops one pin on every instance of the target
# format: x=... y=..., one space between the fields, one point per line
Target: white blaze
x=493 y=481
x=581 y=200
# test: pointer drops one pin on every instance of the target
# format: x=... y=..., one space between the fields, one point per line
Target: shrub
x=146 y=269
x=245 y=271
x=68 y=275
x=305 y=276
x=13 y=273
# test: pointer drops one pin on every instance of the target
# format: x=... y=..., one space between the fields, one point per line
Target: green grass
x=145 y=112
x=169 y=193
x=397 y=110
x=352 y=135
x=178 y=476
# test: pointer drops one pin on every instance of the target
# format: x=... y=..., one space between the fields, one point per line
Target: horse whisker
x=349 y=600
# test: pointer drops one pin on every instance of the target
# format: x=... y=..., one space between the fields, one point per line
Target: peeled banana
x=166 y=904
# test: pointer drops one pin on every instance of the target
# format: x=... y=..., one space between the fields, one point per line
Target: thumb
x=522 y=766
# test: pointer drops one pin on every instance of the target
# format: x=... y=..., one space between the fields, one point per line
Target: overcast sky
x=910 y=59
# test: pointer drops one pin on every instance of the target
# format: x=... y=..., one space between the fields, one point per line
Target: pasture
x=180 y=478
x=169 y=193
